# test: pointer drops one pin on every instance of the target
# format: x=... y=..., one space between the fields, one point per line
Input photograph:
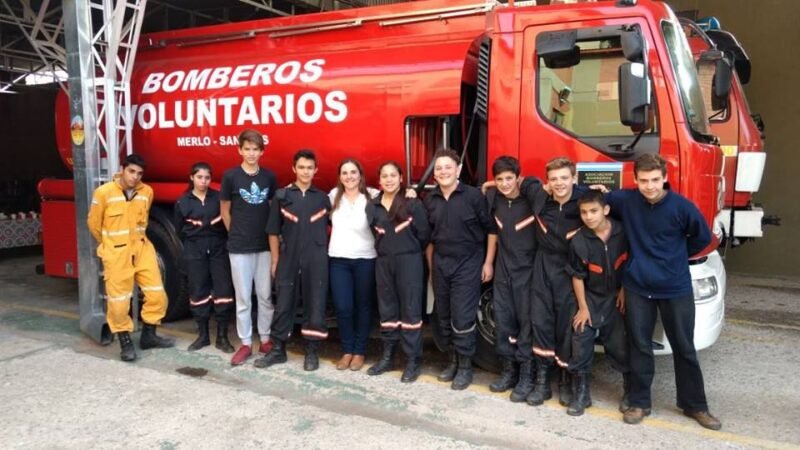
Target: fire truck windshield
x=683 y=65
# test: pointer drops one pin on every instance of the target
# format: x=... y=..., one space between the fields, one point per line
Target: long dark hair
x=362 y=184
x=196 y=167
x=398 y=212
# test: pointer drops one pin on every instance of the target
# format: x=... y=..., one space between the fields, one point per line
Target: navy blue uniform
x=459 y=228
x=657 y=281
x=301 y=220
x=553 y=304
x=600 y=265
x=513 y=269
x=206 y=262
x=399 y=272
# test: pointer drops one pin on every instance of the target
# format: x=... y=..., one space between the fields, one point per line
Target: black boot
x=412 y=371
x=222 y=338
x=449 y=372
x=541 y=387
x=311 y=361
x=127 y=352
x=202 y=336
x=385 y=363
x=149 y=338
x=463 y=376
x=625 y=404
x=276 y=356
x=508 y=377
x=564 y=387
x=581 y=396
x=525 y=384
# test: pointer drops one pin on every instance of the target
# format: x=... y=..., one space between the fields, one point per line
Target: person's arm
x=422 y=229
x=275 y=251
x=225 y=201
x=582 y=317
x=698 y=235
x=225 y=212
x=487 y=272
x=95 y=219
x=621 y=300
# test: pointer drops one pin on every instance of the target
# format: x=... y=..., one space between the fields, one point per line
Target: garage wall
x=768 y=31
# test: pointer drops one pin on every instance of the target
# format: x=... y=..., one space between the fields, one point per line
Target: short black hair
x=304 y=153
x=449 y=153
x=505 y=164
x=134 y=159
x=592 y=196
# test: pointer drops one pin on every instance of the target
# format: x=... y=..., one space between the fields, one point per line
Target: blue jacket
x=661 y=236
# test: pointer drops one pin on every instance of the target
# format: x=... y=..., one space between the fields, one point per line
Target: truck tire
x=168 y=253
x=485 y=356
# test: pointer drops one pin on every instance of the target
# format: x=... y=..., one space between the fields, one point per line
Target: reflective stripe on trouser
x=210 y=286
x=247 y=268
x=400 y=289
x=457 y=288
x=309 y=280
x=512 y=314
x=119 y=281
x=552 y=308
x=615 y=342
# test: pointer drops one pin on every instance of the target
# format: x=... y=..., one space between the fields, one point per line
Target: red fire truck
x=601 y=83
x=740 y=132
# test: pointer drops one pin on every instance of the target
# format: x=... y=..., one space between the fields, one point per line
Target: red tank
x=600 y=83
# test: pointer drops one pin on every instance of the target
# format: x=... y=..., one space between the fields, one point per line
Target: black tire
x=168 y=253
x=485 y=356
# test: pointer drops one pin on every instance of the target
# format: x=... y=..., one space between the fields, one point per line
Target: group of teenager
x=564 y=271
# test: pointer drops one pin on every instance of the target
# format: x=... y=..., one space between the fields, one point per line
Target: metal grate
x=484 y=62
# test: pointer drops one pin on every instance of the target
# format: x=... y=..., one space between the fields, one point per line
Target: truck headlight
x=704 y=288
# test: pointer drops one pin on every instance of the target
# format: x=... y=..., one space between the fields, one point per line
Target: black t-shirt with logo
x=250 y=196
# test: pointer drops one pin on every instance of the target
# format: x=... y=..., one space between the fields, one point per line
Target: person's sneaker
x=241 y=355
x=265 y=347
x=705 y=419
x=635 y=415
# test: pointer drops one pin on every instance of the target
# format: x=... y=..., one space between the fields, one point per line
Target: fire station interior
x=748 y=370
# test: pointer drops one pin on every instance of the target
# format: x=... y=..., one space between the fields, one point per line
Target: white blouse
x=350 y=236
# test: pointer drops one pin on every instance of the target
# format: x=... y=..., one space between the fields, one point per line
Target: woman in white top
x=352 y=263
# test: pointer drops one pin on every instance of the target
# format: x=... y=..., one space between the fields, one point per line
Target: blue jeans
x=352 y=284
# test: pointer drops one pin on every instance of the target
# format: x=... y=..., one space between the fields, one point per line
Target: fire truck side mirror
x=632 y=44
x=721 y=84
x=558 y=49
x=634 y=95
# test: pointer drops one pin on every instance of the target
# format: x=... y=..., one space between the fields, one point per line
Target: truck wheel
x=485 y=356
x=168 y=255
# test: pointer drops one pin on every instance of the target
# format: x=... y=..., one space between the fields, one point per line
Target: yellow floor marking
x=763 y=325
x=611 y=414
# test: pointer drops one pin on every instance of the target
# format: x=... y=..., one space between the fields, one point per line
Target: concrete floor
x=60 y=390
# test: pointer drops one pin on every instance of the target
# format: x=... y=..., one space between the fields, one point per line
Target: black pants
x=457 y=288
x=399 y=280
x=552 y=308
x=677 y=316
x=209 y=277
x=512 y=314
x=612 y=335
x=307 y=279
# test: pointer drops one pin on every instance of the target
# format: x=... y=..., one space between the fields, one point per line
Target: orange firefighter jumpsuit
x=119 y=225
